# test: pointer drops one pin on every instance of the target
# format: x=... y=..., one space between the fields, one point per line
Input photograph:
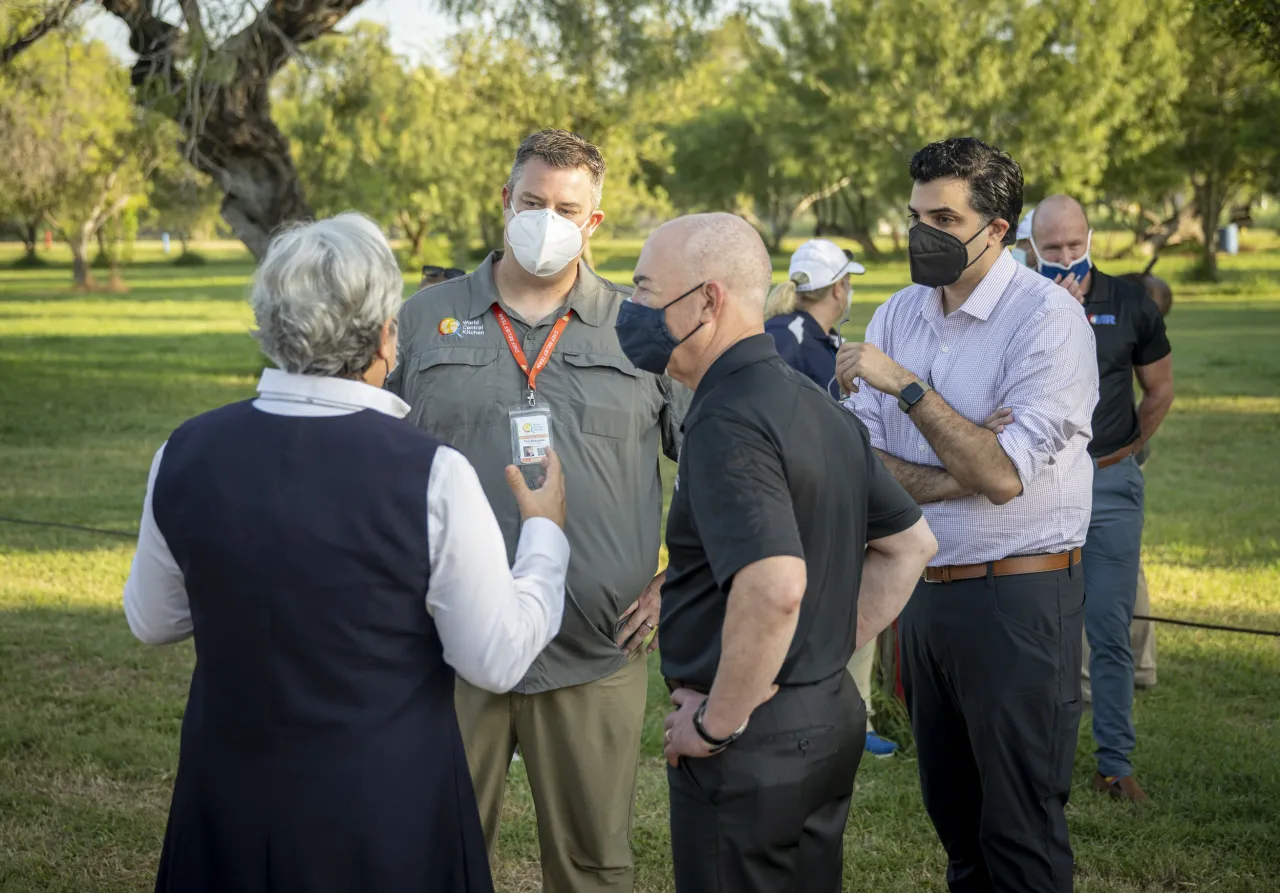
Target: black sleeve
x=1152 y=343
x=890 y=509
x=738 y=493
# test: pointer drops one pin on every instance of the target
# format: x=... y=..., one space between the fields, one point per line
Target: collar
x=751 y=349
x=814 y=330
x=339 y=393
x=1100 y=288
x=986 y=296
x=585 y=298
x=811 y=325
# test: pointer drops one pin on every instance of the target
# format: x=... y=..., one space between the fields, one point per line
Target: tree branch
x=808 y=200
x=54 y=18
x=191 y=15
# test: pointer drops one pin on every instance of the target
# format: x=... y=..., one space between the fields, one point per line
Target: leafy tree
x=182 y=201
x=211 y=76
x=68 y=103
x=1255 y=23
x=1226 y=133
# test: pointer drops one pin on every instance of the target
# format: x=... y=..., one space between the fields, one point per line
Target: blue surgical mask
x=644 y=336
x=1079 y=267
x=1020 y=255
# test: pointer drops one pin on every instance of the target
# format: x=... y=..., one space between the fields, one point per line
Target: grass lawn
x=90 y=385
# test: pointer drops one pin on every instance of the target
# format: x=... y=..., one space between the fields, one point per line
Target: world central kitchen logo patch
x=1102 y=319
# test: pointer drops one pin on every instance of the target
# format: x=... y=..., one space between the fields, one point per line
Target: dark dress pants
x=767 y=815
x=991 y=669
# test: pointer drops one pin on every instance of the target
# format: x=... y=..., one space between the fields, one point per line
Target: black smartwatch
x=913 y=394
x=717 y=744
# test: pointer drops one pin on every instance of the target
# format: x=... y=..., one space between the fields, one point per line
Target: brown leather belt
x=1118 y=456
x=1005 y=567
x=673 y=684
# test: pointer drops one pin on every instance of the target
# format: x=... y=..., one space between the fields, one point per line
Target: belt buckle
x=944 y=574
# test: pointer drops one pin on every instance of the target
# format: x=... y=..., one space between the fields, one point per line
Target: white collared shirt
x=1019 y=341
x=493 y=620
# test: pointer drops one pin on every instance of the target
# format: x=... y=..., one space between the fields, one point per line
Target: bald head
x=1060 y=230
x=722 y=248
x=710 y=275
x=1057 y=210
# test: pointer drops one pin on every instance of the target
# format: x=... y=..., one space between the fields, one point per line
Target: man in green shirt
x=488 y=359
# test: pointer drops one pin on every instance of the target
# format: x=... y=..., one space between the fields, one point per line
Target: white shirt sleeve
x=493 y=620
x=866 y=404
x=155 y=595
x=1052 y=388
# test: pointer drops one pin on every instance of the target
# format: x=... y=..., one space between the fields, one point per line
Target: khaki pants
x=860 y=667
x=1142 y=641
x=580 y=746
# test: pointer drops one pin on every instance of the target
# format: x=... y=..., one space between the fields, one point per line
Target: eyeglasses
x=434 y=272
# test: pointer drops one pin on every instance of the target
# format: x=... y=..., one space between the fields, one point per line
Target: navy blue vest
x=320 y=748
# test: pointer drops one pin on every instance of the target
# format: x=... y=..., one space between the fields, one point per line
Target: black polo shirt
x=771 y=465
x=1129 y=331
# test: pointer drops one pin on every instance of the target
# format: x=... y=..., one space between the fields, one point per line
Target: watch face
x=912 y=392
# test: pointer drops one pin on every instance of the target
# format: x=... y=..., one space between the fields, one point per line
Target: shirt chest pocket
x=455 y=388
x=605 y=394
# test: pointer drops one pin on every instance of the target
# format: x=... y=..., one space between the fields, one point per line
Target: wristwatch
x=913 y=394
x=717 y=744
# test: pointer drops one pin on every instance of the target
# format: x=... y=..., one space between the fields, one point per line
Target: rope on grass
x=1218 y=626
x=102 y=530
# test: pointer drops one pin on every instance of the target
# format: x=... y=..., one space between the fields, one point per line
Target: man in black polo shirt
x=1130 y=335
x=789 y=545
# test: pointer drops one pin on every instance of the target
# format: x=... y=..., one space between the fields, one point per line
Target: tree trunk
x=1209 y=201
x=79 y=243
x=860 y=227
x=182 y=239
x=249 y=157
x=862 y=235
x=30 y=239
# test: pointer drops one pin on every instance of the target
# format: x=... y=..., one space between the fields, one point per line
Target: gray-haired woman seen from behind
x=336 y=566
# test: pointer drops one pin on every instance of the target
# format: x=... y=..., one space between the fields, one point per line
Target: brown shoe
x=1125 y=788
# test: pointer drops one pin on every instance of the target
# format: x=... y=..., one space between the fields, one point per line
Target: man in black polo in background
x=1130 y=335
x=789 y=545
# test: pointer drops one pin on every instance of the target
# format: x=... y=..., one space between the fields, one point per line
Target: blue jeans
x=1111 y=558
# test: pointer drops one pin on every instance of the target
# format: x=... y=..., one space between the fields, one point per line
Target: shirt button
x=922 y=447
x=946 y=349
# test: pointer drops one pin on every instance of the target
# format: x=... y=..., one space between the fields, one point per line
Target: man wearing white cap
x=804 y=316
x=804 y=313
x=1023 y=251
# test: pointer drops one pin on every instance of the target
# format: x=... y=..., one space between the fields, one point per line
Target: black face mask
x=644 y=336
x=938 y=258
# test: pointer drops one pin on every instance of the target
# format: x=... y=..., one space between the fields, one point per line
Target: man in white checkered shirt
x=991 y=637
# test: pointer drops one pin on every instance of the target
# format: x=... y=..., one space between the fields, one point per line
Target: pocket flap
x=455 y=356
x=602 y=361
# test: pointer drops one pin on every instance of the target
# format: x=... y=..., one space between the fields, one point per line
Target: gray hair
x=323 y=293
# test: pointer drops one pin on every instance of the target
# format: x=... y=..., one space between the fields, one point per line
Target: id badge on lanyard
x=531 y=429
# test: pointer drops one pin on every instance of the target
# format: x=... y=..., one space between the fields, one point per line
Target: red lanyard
x=518 y=352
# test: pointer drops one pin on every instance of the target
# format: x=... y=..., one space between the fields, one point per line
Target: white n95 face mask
x=543 y=242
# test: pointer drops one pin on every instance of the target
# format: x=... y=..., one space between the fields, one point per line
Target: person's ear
x=390 y=341
x=999 y=228
x=711 y=301
x=506 y=199
x=594 y=221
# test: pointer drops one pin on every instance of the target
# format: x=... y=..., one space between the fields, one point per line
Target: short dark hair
x=993 y=177
x=561 y=149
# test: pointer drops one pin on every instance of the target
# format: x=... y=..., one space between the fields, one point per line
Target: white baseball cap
x=819 y=263
x=1024 y=227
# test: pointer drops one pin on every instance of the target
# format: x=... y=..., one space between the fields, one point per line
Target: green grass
x=90 y=384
